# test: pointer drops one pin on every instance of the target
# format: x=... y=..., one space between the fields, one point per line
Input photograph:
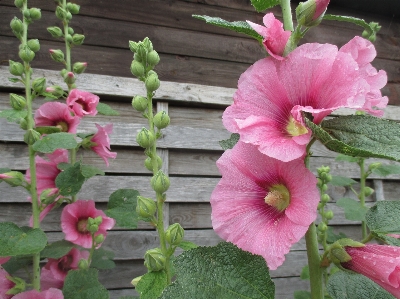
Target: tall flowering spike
x=315 y=78
x=57 y=115
x=274 y=36
x=74 y=220
x=82 y=102
x=48 y=294
x=5 y=284
x=262 y=204
x=380 y=263
x=102 y=143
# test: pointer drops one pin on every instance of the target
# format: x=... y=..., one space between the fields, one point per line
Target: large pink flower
x=74 y=219
x=48 y=294
x=54 y=272
x=56 y=114
x=102 y=142
x=82 y=102
x=314 y=78
x=261 y=204
x=5 y=284
x=380 y=263
x=274 y=36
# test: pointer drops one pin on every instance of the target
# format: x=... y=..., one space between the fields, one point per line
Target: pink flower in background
x=5 y=284
x=82 y=102
x=4 y=260
x=262 y=204
x=380 y=263
x=54 y=272
x=74 y=219
x=274 y=36
x=315 y=78
x=48 y=294
x=102 y=141
x=56 y=114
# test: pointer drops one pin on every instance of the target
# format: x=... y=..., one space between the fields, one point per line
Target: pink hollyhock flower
x=313 y=78
x=4 y=260
x=56 y=114
x=102 y=142
x=48 y=294
x=82 y=102
x=74 y=220
x=274 y=36
x=380 y=263
x=261 y=204
x=54 y=272
x=5 y=284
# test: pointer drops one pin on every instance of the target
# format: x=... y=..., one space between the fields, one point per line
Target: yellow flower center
x=278 y=197
x=63 y=126
x=294 y=128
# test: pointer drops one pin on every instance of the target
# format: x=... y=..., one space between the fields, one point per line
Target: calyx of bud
x=153 y=58
x=160 y=182
x=139 y=103
x=137 y=69
x=161 y=120
x=13 y=178
x=39 y=85
x=145 y=138
x=17 y=102
x=55 y=31
x=337 y=252
x=35 y=13
x=83 y=264
x=146 y=207
x=148 y=163
x=69 y=78
x=55 y=90
x=31 y=136
x=152 y=83
x=174 y=234
x=77 y=39
x=73 y=8
x=16 y=68
x=26 y=54
x=34 y=45
x=154 y=260
x=19 y=3
x=16 y=26
x=79 y=67
x=57 y=55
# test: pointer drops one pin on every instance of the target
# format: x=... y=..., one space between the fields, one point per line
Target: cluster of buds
x=324 y=177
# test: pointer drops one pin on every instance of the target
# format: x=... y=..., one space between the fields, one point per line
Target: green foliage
x=102 y=259
x=57 y=249
x=341 y=181
x=20 y=241
x=152 y=284
x=353 y=209
x=70 y=181
x=383 y=217
x=122 y=207
x=346 y=158
x=237 y=26
x=187 y=245
x=305 y=273
x=17 y=262
x=223 y=271
x=48 y=130
x=386 y=169
x=13 y=115
x=261 y=5
x=106 y=110
x=345 y=285
x=229 y=143
x=50 y=143
x=332 y=237
x=84 y=284
x=89 y=171
x=3 y=170
x=302 y=295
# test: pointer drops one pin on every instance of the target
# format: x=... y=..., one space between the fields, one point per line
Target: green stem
x=367 y=238
x=91 y=250
x=361 y=195
x=287 y=15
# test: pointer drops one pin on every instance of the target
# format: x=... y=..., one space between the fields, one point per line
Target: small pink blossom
x=5 y=176
x=74 y=219
x=56 y=114
x=315 y=78
x=5 y=284
x=102 y=142
x=262 y=204
x=54 y=272
x=321 y=6
x=48 y=294
x=4 y=260
x=82 y=102
x=380 y=263
x=274 y=36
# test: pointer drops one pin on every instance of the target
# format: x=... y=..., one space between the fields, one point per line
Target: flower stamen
x=294 y=128
x=278 y=197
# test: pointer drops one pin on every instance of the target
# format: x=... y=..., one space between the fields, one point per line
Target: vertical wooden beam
x=378 y=187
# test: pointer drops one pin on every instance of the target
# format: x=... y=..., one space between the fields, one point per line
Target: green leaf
x=223 y=271
x=57 y=249
x=20 y=241
x=122 y=207
x=229 y=143
x=84 y=284
x=128 y=297
x=302 y=295
x=341 y=181
x=106 y=110
x=152 y=284
x=332 y=237
x=386 y=169
x=237 y=26
x=353 y=209
x=13 y=115
x=48 y=130
x=383 y=217
x=102 y=259
x=345 y=285
x=187 y=245
x=305 y=273
x=3 y=170
x=84 y=135
x=17 y=262
x=70 y=181
x=346 y=158
x=50 y=143
x=14 y=80
x=89 y=171
x=63 y=165
x=261 y=5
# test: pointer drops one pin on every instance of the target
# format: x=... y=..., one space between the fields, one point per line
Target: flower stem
x=314 y=262
x=287 y=15
x=361 y=195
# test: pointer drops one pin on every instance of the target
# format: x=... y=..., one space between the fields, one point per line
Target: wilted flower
x=56 y=114
x=82 y=102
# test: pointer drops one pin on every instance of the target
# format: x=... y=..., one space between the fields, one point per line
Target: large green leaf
x=152 y=284
x=384 y=217
x=223 y=271
x=353 y=209
x=386 y=169
x=102 y=259
x=70 y=181
x=51 y=142
x=122 y=207
x=84 y=284
x=261 y=5
x=17 y=262
x=229 y=143
x=341 y=181
x=346 y=285
x=106 y=109
x=13 y=115
x=57 y=249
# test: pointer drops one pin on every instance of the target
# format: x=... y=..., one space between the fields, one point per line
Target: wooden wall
x=206 y=62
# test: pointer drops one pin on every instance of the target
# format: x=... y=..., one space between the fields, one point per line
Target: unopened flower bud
x=98 y=220
x=70 y=30
x=69 y=78
x=16 y=25
x=161 y=120
x=55 y=31
x=140 y=54
x=148 y=45
x=99 y=239
x=319 y=182
x=49 y=195
x=133 y=46
x=139 y=103
x=160 y=182
x=27 y=14
x=79 y=67
x=23 y=124
x=152 y=83
x=154 y=259
x=35 y=13
x=26 y=54
x=68 y=16
x=61 y=13
x=148 y=163
x=368 y=191
x=311 y=12
x=324 y=187
x=68 y=38
x=34 y=45
x=31 y=136
x=325 y=198
x=145 y=138
x=17 y=102
x=13 y=178
x=77 y=39
x=337 y=252
x=137 y=69
x=93 y=228
x=174 y=234
x=373 y=166
x=153 y=58
x=329 y=214
x=55 y=90
x=39 y=85
x=136 y=280
x=322 y=227
x=83 y=264
x=16 y=68
x=57 y=55
x=73 y=8
x=19 y=3
x=320 y=205
x=146 y=207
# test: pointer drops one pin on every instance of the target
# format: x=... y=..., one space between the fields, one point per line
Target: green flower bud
x=55 y=90
x=152 y=83
x=68 y=38
x=141 y=53
x=26 y=54
x=73 y=8
x=154 y=260
x=329 y=215
x=69 y=78
x=55 y=31
x=320 y=205
x=35 y=13
x=325 y=198
x=83 y=264
x=61 y=13
x=137 y=69
x=19 y=3
x=337 y=252
x=322 y=227
x=17 y=102
x=34 y=45
x=306 y=13
x=57 y=55
x=148 y=45
x=319 y=182
x=136 y=280
x=145 y=138
x=368 y=191
x=23 y=124
x=373 y=166
x=160 y=182
x=16 y=68
x=174 y=234
x=146 y=207
x=39 y=85
x=70 y=30
x=133 y=46
x=49 y=195
x=148 y=163
x=98 y=220
x=77 y=39
x=324 y=187
x=31 y=136
x=13 y=178
x=161 y=120
x=26 y=14
x=17 y=26
x=79 y=67
x=93 y=228
x=68 y=16
x=99 y=239
x=153 y=58
x=139 y=103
